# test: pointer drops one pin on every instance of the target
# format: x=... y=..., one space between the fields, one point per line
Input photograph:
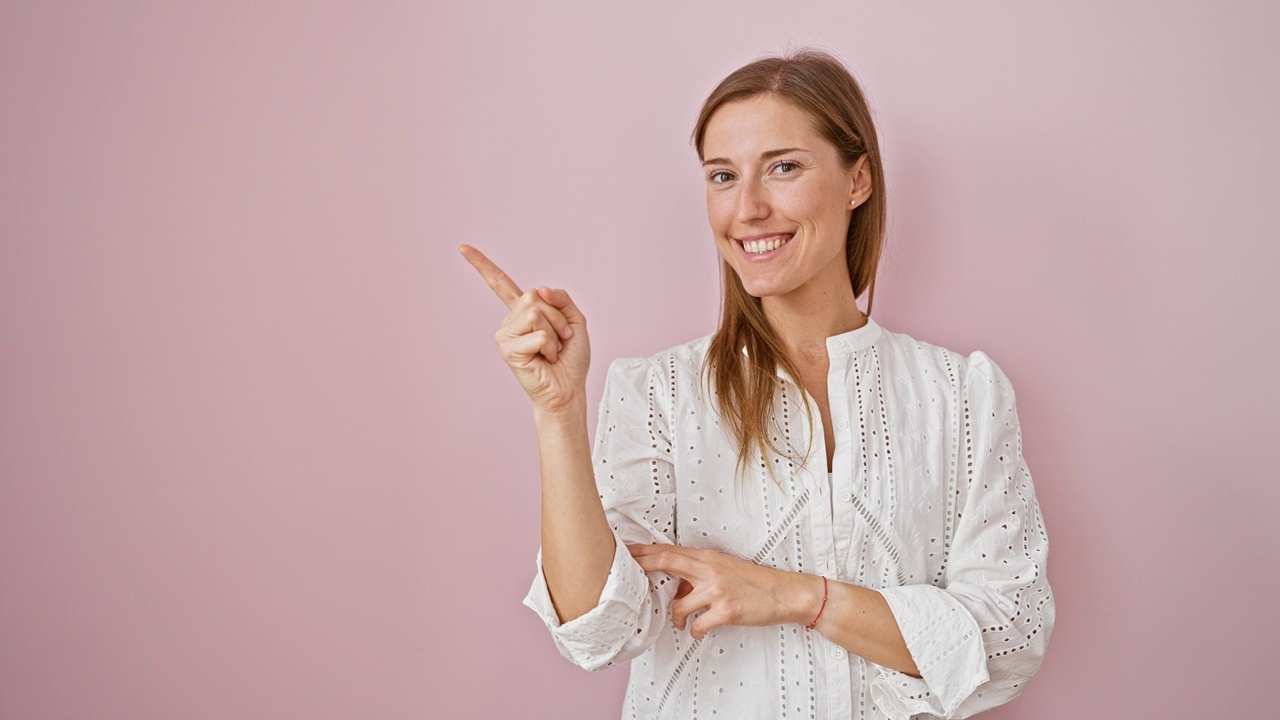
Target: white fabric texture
x=929 y=502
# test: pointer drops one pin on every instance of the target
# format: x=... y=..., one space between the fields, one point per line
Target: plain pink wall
x=259 y=457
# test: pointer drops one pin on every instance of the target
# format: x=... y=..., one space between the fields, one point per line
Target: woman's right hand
x=543 y=338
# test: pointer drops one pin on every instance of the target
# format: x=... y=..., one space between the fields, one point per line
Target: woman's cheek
x=721 y=213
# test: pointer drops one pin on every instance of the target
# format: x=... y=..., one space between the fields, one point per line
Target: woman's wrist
x=569 y=412
x=806 y=598
x=814 y=622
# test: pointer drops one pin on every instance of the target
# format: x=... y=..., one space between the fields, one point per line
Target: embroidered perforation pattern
x=952 y=468
x=891 y=503
x=860 y=574
x=940 y=511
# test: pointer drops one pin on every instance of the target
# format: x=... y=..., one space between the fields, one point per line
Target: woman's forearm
x=577 y=544
x=859 y=620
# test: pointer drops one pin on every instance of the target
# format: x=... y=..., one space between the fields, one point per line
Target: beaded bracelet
x=824 y=604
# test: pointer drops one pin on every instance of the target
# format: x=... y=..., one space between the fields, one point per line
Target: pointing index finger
x=501 y=283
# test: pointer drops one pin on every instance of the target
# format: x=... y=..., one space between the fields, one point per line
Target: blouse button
x=844 y=424
x=837 y=653
x=846 y=496
x=839 y=343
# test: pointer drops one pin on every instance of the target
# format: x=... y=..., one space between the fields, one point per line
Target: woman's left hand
x=733 y=591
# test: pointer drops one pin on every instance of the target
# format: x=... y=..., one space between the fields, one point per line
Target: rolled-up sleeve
x=980 y=636
x=631 y=457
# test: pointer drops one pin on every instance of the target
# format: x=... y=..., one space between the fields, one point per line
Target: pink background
x=259 y=457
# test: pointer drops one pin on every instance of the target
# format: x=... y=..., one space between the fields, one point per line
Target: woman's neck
x=805 y=317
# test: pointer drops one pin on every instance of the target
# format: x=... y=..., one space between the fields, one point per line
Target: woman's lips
x=759 y=247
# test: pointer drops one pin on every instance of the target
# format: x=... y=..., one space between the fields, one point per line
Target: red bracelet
x=824 y=604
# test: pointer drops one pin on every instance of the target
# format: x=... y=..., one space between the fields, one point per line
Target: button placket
x=822 y=531
x=841 y=480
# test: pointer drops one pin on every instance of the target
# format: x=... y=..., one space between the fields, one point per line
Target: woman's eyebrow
x=763 y=156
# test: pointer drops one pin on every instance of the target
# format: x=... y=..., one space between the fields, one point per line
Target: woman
x=805 y=514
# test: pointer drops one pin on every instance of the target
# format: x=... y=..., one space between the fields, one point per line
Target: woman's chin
x=761 y=291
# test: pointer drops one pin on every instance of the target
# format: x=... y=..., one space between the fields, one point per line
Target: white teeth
x=762 y=246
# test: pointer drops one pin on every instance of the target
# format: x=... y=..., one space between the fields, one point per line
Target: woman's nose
x=752 y=202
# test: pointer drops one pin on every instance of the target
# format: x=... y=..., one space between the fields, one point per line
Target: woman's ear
x=860 y=181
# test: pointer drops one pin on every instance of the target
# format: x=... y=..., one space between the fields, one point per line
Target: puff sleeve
x=980 y=636
x=631 y=457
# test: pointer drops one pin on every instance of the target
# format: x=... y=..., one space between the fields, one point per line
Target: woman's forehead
x=743 y=130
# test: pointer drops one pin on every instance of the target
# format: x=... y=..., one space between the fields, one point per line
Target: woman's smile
x=764 y=246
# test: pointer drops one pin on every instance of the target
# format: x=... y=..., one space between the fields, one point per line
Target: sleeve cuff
x=946 y=644
x=595 y=640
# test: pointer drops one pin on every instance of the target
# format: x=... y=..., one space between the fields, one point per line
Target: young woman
x=803 y=515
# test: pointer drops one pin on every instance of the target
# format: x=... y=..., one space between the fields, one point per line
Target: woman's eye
x=720 y=177
x=786 y=166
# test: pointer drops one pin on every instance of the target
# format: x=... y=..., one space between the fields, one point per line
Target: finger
x=642 y=549
x=522 y=349
x=689 y=552
x=681 y=609
x=501 y=283
x=671 y=563
x=527 y=321
x=561 y=300
x=553 y=314
x=531 y=301
x=523 y=319
x=706 y=622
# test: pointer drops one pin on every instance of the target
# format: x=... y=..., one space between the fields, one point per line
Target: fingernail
x=568 y=332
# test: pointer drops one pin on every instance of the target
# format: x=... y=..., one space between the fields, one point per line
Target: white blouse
x=930 y=502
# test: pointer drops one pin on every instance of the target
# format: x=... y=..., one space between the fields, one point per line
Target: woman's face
x=778 y=199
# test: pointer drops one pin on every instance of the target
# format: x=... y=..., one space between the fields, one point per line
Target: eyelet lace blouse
x=929 y=502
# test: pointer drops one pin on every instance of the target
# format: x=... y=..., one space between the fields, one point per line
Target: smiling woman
x=803 y=514
x=760 y=199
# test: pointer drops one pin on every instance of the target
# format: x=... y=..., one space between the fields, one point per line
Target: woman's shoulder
x=678 y=357
x=912 y=349
x=921 y=359
x=673 y=372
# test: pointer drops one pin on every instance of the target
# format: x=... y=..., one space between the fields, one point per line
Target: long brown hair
x=745 y=384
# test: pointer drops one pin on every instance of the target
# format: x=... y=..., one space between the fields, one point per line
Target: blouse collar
x=847 y=343
x=854 y=340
